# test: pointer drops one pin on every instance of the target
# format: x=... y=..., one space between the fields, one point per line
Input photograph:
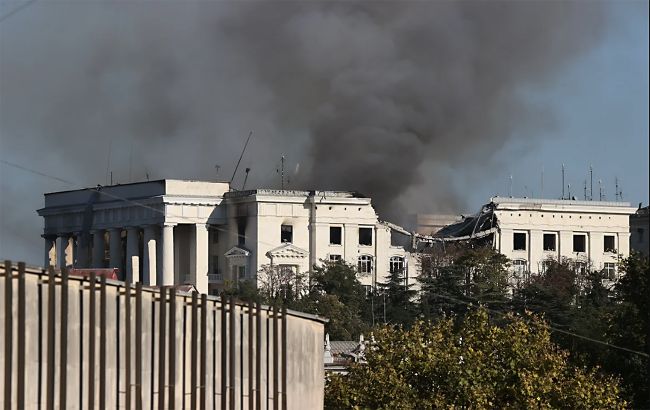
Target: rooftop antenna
x=616 y=187
x=569 y=189
x=585 y=189
x=241 y=156
x=245 y=178
x=562 y=181
x=217 y=167
x=147 y=175
x=282 y=171
x=600 y=189
x=591 y=183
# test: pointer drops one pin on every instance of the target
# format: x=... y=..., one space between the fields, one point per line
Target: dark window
x=286 y=233
x=336 y=235
x=365 y=236
x=609 y=243
x=335 y=258
x=214 y=268
x=519 y=241
x=640 y=232
x=579 y=243
x=214 y=236
x=241 y=232
x=549 y=241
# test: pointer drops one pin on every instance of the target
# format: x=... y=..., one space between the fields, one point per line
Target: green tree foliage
x=461 y=276
x=396 y=299
x=471 y=365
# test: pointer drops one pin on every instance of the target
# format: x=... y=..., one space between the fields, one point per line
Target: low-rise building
x=529 y=231
x=171 y=231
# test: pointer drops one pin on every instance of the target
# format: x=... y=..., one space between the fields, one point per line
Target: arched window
x=365 y=264
x=396 y=264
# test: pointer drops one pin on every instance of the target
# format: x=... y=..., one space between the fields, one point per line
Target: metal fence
x=75 y=342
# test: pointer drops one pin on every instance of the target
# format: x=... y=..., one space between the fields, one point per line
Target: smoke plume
x=384 y=98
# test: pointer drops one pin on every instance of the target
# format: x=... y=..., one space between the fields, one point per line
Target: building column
x=149 y=255
x=168 y=254
x=50 y=250
x=201 y=255
x=80 y=251
x=115 y=249
x=65 y=247
x=132 y=255
x=98 y=248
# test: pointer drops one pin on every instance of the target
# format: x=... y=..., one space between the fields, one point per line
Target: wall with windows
x=591 y=232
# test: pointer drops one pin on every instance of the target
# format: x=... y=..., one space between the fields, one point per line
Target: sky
x=58 y=129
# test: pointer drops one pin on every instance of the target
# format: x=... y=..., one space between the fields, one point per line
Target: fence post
x=21 y=336
x=161 y=350
x=138 y=346
x=8 y=332
x=127 y=323
x=63 y=358
x=193 y=355
x=49 y=404
x=92 y=316
x=204 y=349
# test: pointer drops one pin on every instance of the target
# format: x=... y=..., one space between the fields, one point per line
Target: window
x=365 y=264
x=365 y=236
x=580 y=268
x=609 y=270
x=241 y=272
x=214 y=236
x=286 y=233
x=336 y=235
x=396 y=264
x=214 y=264
x=519 y=241
x=549 y=242
x=241 y=231
x=335 y=258
x=579 y=243
x=609 y=243
x=640 y=232
x=368 y=289
x=520 y=267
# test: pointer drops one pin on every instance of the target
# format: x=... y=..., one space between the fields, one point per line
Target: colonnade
x=77 y=249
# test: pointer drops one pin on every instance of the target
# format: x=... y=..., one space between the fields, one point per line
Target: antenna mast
x=282 y=171
x=241 y=156
x=562 y=181
x=510 y=187
x=245 y=178
x=600 y=189
x=591 y=183
x=616 y=182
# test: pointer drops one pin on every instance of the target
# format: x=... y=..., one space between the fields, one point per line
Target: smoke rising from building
x=369 y=96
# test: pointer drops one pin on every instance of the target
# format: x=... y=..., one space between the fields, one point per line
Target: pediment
x=236 y=251
x=287 y=251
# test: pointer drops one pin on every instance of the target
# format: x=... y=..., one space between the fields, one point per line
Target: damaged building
x=592 y=234
x=170 y=232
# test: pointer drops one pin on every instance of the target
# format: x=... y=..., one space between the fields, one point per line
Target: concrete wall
x=298 y=381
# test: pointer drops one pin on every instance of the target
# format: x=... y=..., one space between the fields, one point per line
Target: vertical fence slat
x=92 y=317
x=276 y=387
x=138 y=346
x=172 y=349
x=127 y=347
x=102 y=342
x=63 y=349
x=284 y=357
x=258 y=357
x=50 y=339
x=233 y=353
x=224 y=354
x=193 y=355
x=204 y=351
x=161 y=350
x=8 y=333
x=251 y=356
x=20 y=397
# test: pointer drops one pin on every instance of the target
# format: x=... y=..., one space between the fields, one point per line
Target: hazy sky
x=592 y=104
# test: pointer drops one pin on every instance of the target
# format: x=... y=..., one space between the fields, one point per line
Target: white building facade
x=175 y=232
x=593 y=234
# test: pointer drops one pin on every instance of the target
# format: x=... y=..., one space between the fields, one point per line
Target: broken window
x=365 y=264
x=579 y=243
x=609 y=243
x=519 y=241
x=336 y=235
x=396 y=264
x=365 y=236
x=286 y=234
x=549 y=242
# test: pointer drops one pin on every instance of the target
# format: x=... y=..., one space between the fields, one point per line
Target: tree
x=395 y=299
x=473 y=365
x=461 y=275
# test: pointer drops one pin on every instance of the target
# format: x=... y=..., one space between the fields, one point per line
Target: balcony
x=215 y=277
